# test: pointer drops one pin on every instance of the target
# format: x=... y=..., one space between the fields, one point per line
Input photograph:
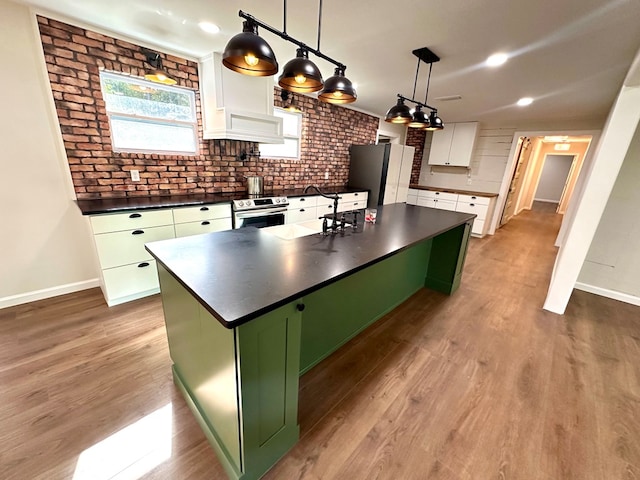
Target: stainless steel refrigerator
x=384 y=170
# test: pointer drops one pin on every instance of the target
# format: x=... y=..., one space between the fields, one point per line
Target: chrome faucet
x=334 y=223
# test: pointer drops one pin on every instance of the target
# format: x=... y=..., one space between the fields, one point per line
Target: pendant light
x=157 y=74
x=300 y=74
x=338 y=89
x=435 y=122
x=399 y=113
x=250 y=54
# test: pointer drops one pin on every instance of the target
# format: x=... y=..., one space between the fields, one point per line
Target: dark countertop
x=238 y=275
x=123 y=204
x=453 y=190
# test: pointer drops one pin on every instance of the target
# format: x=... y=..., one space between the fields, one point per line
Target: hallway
x=482 y=384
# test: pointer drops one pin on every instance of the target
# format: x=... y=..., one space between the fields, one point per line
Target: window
x=291 y=127
x=148 y=117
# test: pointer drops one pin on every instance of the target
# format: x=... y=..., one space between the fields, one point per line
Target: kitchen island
x=248 y=312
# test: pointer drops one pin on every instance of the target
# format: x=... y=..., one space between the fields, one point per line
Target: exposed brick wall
x=74 y=58
x=415 y=138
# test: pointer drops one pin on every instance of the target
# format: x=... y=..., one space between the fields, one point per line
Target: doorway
x=531 y=182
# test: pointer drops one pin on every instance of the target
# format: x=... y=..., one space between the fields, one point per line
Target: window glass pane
x=288 y=149
x=138 y=98
x=132 y=134
x=290 y=123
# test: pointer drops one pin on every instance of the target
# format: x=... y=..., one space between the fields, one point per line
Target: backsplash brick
x=415 y=138
x=74 y=58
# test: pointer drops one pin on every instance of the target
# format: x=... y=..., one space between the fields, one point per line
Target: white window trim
x=297 y=138
x=153 y=120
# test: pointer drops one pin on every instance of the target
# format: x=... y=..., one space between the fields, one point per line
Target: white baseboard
x=603 y=292
x=47 y=293
x=545 y=200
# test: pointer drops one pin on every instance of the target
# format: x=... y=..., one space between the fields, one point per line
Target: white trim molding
x=603 y=292
x=45 y=293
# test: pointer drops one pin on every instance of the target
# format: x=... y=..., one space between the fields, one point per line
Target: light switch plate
x=135 y=175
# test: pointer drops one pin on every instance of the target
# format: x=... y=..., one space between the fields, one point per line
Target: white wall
x=553 y=177
x=613 y=260
x=45 y=246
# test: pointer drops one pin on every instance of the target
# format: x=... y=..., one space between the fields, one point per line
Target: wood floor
x=480 y=385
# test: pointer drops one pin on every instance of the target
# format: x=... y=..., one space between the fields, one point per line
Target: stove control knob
x=248 y=203
x=277 y=200
x=240 y=203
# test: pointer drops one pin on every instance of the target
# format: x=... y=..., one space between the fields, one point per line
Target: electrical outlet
x=135 y=175
x=326 y=175
x=469 y=181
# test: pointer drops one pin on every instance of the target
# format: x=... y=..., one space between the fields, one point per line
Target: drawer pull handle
x=137 y=232
x=472 y=204
x=204 y=209
x=437 y=193
x=206 y=222
x=301 y=210
x=303 y=200
x=473 y=198
x=300 y=307
x=135 y=215
x=355 y=194
x=143 y=264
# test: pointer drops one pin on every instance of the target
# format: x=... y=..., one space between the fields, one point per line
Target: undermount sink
x=289 y=232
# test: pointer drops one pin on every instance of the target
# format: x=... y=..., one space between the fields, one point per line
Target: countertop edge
x=453 y=190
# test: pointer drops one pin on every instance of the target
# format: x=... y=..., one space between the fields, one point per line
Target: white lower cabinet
x=480 y=205
x=128 y=271
x=302 y=209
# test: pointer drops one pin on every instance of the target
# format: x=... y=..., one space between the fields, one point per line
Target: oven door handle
x=259 y=213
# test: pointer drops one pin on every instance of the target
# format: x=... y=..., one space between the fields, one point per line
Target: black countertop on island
x=123 y=204
x=238 y=275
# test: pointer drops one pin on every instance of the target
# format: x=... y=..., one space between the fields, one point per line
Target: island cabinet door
x=269 y=360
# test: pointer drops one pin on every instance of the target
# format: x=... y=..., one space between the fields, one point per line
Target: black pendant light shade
x=338 y=89
x=300 y=74
x=250 y=54
x=399 y=113
x=419 y=119
x=435 y=122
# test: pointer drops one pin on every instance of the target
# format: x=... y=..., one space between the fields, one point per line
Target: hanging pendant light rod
x=287 y=37
x=403 y=98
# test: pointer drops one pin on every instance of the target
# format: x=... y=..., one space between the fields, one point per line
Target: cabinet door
x=462 y=143
x=441 y=146
x=122 y=248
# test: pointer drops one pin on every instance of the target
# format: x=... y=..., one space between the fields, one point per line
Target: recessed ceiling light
x=497 y=59
x=523 y=102
x=209 y=27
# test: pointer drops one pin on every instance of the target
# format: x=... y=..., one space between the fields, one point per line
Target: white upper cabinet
x=236 y=106
x=454 y=145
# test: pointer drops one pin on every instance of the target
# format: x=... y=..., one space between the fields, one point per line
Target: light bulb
x=300 y=78
x=251 y=60
x=337 y=94
x=161 y=76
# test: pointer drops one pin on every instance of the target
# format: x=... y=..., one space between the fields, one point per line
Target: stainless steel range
x=260 y=212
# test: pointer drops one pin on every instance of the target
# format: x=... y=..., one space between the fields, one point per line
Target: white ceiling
x=571 y=56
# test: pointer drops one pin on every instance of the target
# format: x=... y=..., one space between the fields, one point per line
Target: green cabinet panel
x=448 y=253
x=339 y=311
x=269 y=349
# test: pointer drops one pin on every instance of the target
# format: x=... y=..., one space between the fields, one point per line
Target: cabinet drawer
x=204 y=226
x=348 y=206
x=326 y=208
x=201 y=212
x=302 y=202
x=354 y=197
x=445 y=204
x=412 y=199
x=480 y=210
x=302 y=214
x=452 y=197
x=131 y=220
x=122 y=248
x=130 y=280
x=478 y=200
